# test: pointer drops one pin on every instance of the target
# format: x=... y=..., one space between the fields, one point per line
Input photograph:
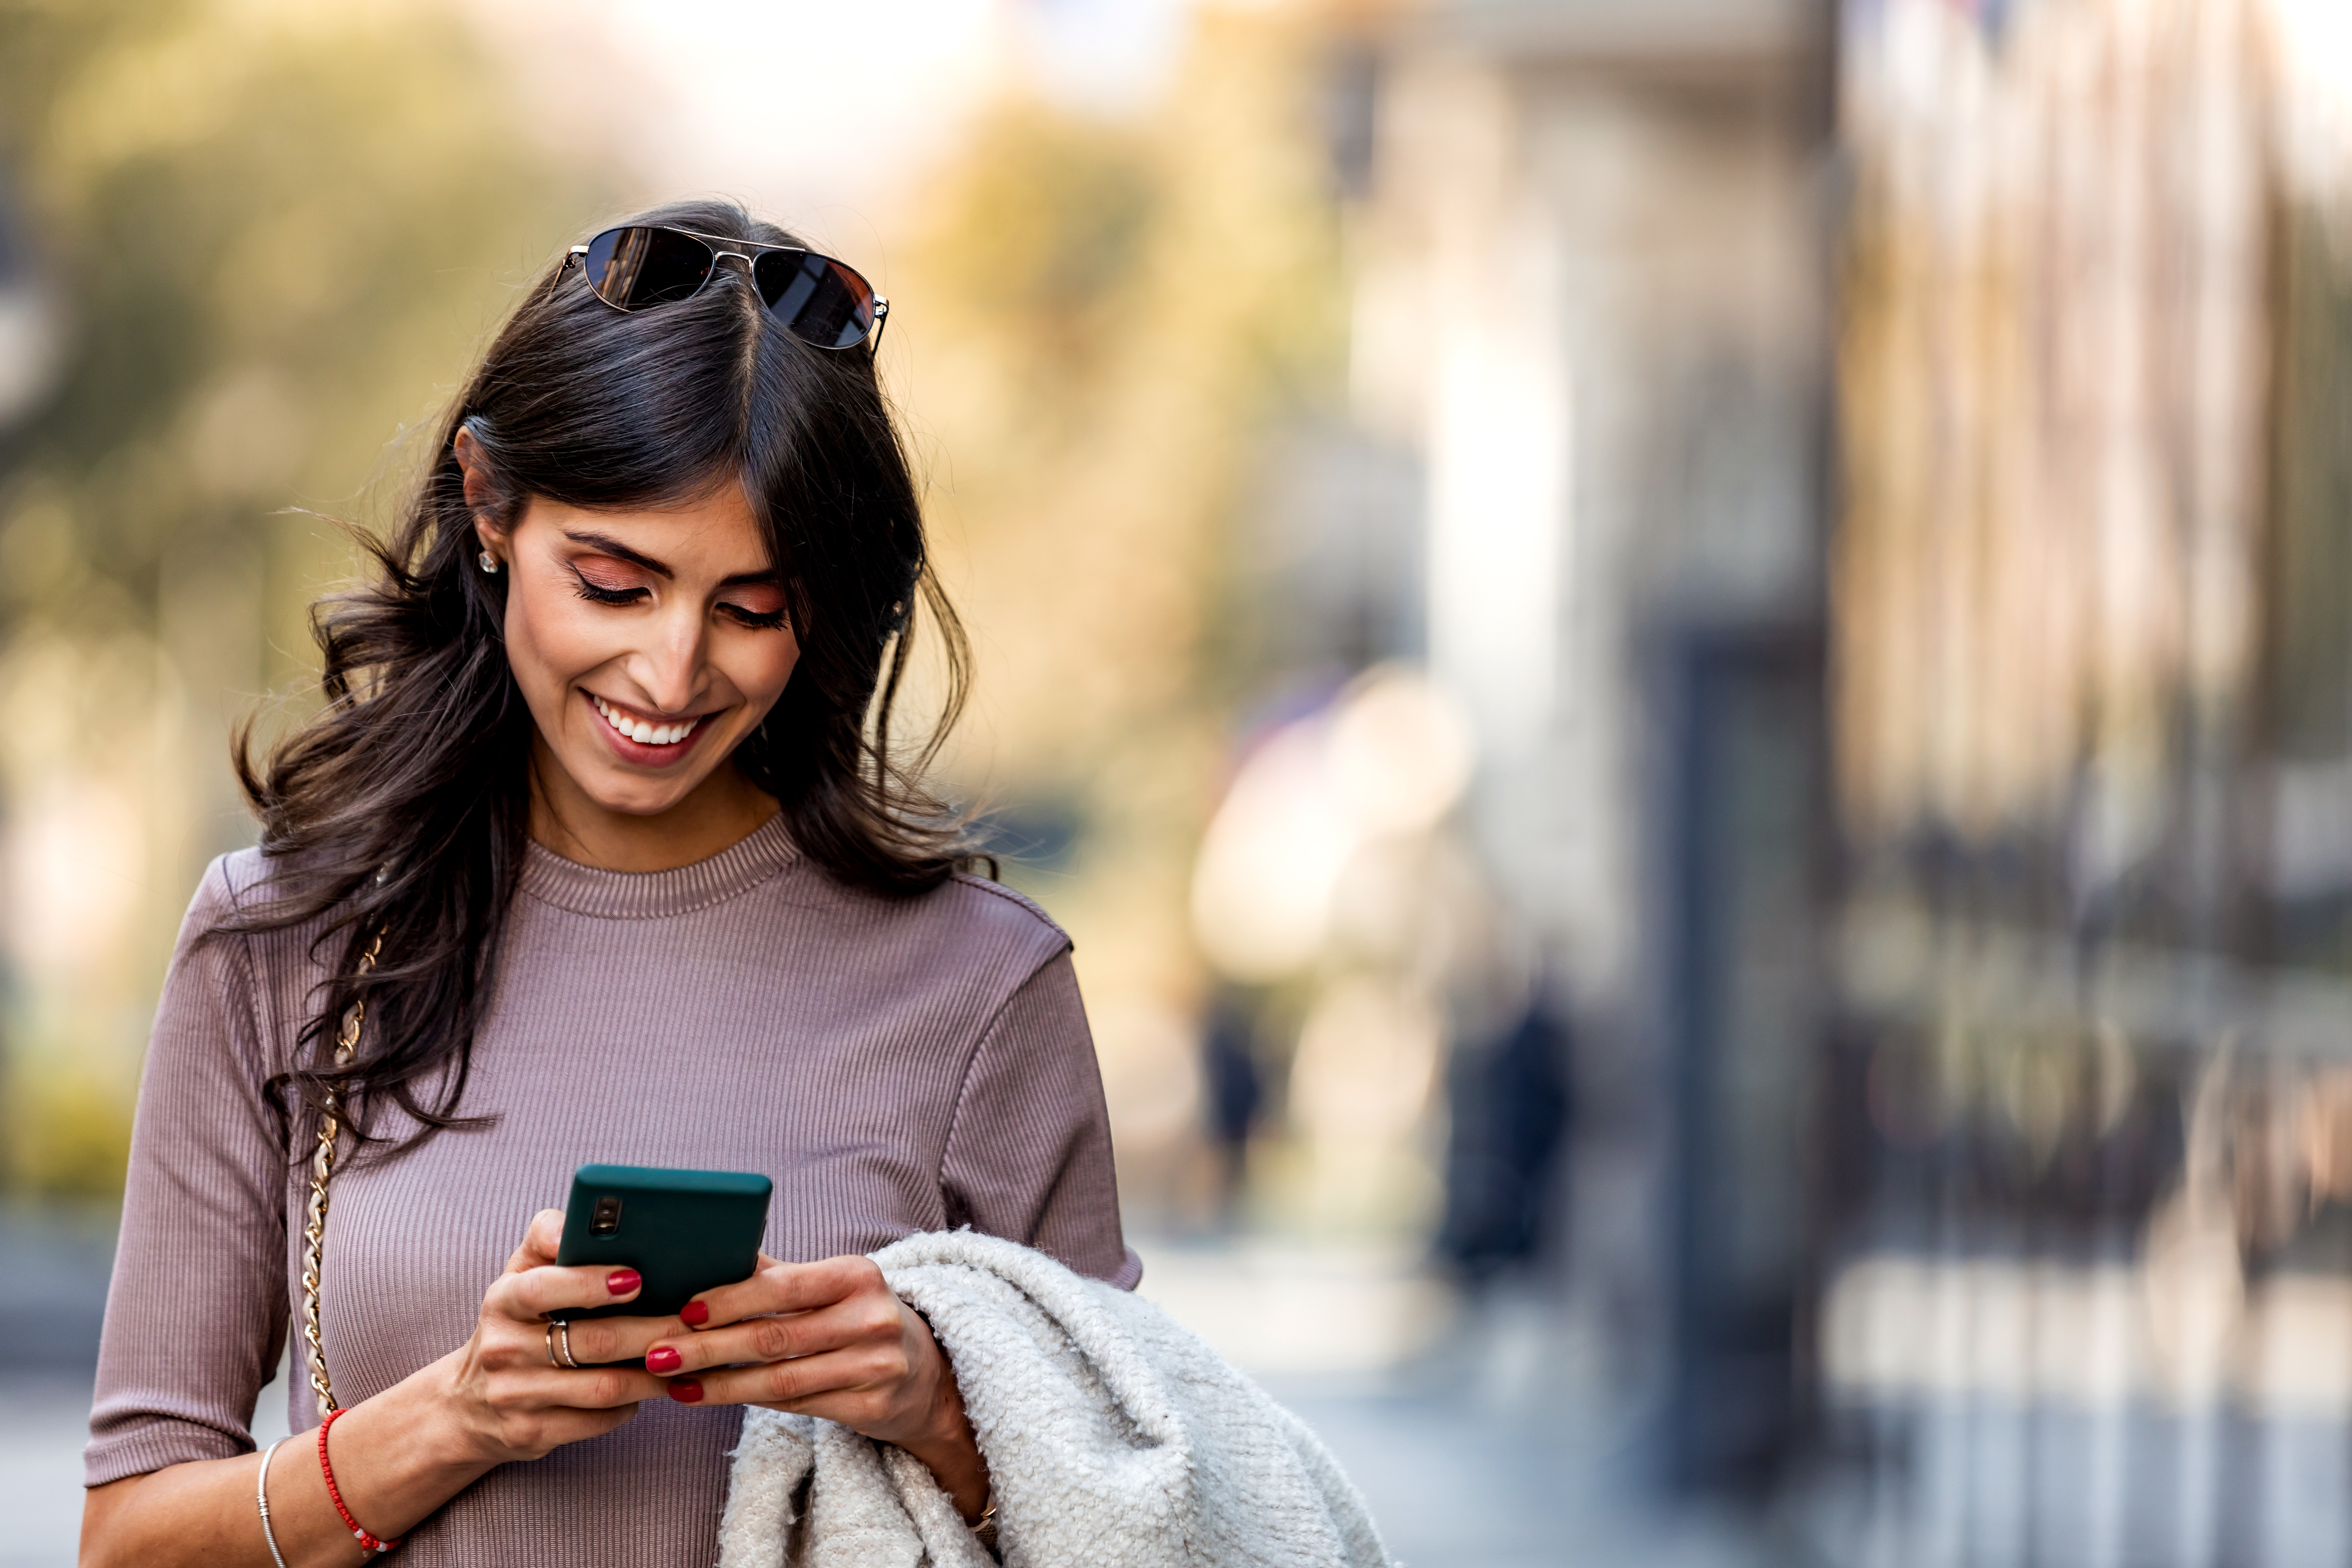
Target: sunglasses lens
x=633 y=268
x=819 y=299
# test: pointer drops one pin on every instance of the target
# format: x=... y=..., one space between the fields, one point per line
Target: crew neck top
x=893 y=1064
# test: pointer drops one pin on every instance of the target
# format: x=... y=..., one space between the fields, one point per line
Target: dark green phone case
x=685 y=1231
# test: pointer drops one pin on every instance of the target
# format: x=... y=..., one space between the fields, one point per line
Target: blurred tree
x=1104 y=320
x=273 y=233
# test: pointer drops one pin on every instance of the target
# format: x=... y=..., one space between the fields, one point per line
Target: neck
x=724 y=809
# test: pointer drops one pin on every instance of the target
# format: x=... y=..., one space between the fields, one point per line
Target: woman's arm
x=401 y=1455
x=197 y=1311
x=392 y=1468
x=1030 y=1155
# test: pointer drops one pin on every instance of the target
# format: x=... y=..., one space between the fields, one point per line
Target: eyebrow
x=613 y=547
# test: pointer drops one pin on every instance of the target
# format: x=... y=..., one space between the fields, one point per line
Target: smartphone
x=684 y=1231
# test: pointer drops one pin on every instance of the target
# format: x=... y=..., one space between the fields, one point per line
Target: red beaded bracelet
x=328 y=1470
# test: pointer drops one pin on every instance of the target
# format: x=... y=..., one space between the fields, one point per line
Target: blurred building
x=1950 y=905
x=1583 y=488
x=1958 y=1101
x=2089 y=1274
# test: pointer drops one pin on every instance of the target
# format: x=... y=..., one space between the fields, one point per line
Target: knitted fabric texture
x=1112 y=1437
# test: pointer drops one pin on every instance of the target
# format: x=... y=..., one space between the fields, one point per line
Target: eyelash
x=773 y=620
x=597 y=596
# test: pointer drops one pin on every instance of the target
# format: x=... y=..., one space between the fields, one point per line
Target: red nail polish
x=620 y=1281
x=661 y=1358
x=685 y=1391
x=694 y=1315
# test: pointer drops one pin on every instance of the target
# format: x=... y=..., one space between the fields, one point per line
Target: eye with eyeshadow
x=597 y=592
x=758 y=620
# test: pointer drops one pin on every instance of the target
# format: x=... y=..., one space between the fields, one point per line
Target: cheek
x=549 y=641
x=762 y=666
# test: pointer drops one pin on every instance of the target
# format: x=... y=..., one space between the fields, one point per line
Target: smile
x=642 y=733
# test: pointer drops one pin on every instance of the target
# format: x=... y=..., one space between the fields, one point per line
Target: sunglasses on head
x=819 y=301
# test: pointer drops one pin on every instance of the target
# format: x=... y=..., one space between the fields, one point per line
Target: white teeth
x=645 y=734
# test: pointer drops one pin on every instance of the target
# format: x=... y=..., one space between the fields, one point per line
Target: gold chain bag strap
x=322 y=1169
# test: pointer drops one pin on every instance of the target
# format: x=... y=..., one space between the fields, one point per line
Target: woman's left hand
x=829 y=1339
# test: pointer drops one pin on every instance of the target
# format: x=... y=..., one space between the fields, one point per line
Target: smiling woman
x=599 y=852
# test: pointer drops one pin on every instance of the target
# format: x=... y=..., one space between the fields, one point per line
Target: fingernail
x=661 y=1358
x=620 y=1281
x=694 y=1315
x=685 y=1391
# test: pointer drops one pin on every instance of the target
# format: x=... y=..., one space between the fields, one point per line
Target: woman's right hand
x=501 y=1388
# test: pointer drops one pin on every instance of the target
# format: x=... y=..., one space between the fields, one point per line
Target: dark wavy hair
x=401 y=809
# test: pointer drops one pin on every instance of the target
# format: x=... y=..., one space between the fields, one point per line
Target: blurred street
x=1476 y=1449
x=44 y=1419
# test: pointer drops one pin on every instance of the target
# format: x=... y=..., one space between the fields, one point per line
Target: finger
x=790 y=1383
x=539 y=1240
x=535 y=1292
x=620 y=1339
x=864 y=1319
x=777 y=1286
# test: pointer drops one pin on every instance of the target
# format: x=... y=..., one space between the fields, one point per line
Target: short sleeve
x=1028 y=1156
x=198 y=1309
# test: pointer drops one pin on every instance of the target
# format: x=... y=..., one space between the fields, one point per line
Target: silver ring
x=559 y=1334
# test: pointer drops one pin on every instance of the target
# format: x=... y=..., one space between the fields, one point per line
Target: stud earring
x=489 y=564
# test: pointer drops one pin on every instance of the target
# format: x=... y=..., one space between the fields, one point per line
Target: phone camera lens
x=606 y=1219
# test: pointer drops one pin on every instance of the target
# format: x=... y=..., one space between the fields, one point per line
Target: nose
x=670 y=666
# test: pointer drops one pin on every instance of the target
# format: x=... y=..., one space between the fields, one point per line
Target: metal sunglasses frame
x=871 y=342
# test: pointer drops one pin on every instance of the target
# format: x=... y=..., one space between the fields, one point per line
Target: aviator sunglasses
x=819 y=301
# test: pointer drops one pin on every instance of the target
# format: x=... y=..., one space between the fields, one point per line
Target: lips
x=647 y=742
x=643 y=731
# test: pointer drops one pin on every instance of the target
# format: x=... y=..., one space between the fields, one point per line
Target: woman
x=595 y=782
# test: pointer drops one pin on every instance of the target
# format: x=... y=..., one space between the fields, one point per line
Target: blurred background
x=1685 y=668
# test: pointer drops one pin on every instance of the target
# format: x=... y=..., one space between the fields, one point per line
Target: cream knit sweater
x=1112 y=1436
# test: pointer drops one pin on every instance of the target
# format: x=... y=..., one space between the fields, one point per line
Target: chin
x=629 y=794
x=641 y=803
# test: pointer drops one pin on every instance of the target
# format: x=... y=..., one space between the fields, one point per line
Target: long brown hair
x=402 y=807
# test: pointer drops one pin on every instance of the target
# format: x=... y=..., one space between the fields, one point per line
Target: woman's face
x=646 y=643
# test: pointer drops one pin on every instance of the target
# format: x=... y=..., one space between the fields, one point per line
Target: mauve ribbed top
x=893 y=1065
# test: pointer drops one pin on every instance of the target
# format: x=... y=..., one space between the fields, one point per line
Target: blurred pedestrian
x=1509 y=1107
x=1236 y=1092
